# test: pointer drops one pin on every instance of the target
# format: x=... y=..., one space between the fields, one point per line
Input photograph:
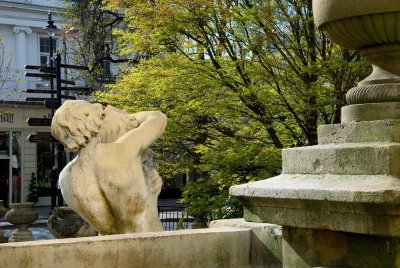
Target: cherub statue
x=112 y=183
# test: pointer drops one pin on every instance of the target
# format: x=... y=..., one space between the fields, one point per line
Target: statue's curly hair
x=76 y=122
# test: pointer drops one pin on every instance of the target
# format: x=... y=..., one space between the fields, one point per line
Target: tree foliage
x=9 y=78
x=33 y=194
x=90 y=38
x=269 y=54
x=238 y=79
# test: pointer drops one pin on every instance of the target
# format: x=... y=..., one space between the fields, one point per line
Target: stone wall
x=228 y=243
x=266 y=241
x=218 y=247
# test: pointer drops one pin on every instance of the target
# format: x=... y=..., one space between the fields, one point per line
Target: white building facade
x=24 y=43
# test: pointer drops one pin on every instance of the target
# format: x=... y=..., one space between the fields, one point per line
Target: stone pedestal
x=3 y=212
x=339 y=201
x=21 y=215
x=335 y=200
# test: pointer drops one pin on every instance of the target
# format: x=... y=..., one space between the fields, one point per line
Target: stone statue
x=112 y=183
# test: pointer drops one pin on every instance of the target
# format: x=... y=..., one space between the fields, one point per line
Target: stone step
x=343 y=159
x=368 y=131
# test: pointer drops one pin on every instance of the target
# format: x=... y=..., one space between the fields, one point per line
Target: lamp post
x=51 y=28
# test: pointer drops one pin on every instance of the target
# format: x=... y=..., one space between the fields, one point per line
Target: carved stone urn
x=66 y=223
x=199 y=222
x=371 y=27
x=21 y=215
x=3 y=212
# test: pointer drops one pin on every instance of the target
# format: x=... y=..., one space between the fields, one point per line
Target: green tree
x=33 y=195
x=8 y=77
x=239 y=80
x=90 y=29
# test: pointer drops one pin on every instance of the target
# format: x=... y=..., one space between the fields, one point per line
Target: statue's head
x=76 y=122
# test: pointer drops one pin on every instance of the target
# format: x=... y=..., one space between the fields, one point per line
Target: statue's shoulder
x=65 y=175
x=72 y=168
x=67 y=169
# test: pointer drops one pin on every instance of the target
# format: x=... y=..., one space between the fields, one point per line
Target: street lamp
x=51 y=30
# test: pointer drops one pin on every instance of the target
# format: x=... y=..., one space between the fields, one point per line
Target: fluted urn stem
x=373 y=29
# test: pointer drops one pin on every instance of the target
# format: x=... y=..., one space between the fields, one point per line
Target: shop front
x=25 y=167
x=10 y=166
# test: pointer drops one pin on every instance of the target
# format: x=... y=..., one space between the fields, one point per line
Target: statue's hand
x=132 y=122
x=155 y=181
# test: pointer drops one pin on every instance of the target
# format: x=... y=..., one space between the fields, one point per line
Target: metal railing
x=174 y=218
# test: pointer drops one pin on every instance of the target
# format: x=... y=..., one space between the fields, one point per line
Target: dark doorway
x=4 y=178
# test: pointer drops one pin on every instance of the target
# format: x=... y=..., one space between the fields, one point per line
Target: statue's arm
x=151 y=126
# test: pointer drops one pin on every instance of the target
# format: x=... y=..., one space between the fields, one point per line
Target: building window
x=45 y=50
x=4 y=166
x=44 y=166
x=106 y=64
x=107 y=68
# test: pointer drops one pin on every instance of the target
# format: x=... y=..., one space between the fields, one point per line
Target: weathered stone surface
x=202 y=248
x=112 y=183
x=322 y=248
x=368 y=131
x=346 y=159
x=266 y=241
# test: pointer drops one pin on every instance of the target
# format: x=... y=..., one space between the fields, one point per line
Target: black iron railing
x=174 y=218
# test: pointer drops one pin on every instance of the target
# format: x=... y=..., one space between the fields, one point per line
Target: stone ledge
x=241 y=223
x=358 y=204
x=343 y=159
x=337 y=188
x=218 y=247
